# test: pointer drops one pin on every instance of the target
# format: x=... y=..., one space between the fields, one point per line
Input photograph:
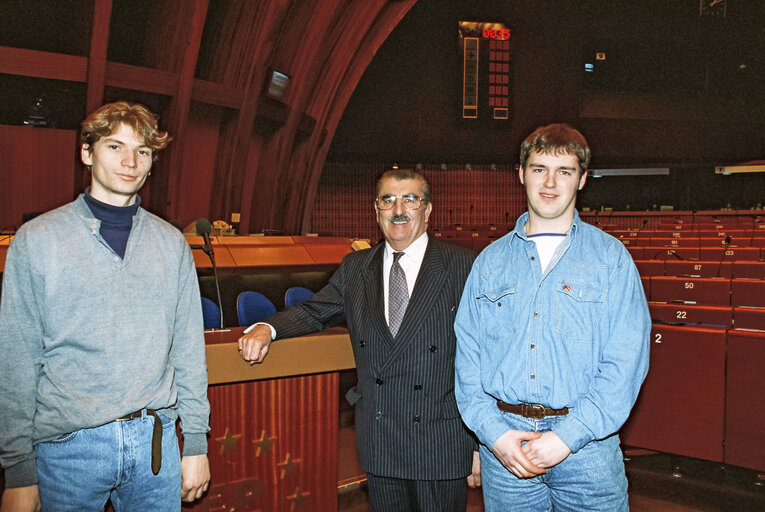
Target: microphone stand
x=211 y=255
x=208 y=250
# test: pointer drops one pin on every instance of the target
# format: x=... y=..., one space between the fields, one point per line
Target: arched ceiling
x=270 y=152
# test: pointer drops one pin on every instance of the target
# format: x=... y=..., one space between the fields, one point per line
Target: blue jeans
x=79 y=472
x=591 y=479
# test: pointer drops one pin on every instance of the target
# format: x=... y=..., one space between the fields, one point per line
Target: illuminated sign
x=485 y=49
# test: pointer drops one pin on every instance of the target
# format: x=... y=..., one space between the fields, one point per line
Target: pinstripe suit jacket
x=407 y=421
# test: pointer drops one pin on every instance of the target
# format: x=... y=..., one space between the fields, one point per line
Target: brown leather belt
x=533 y=411
x=156 y=437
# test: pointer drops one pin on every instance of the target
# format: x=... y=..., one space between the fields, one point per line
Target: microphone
x=642 y=225
x=726 y=244
x=203 y=227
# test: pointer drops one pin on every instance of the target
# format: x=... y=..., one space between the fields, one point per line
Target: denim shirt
x=576 y=335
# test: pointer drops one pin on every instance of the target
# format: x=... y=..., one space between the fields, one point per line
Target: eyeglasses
x=410 y=201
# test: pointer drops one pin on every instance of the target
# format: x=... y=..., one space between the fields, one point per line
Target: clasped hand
x=528 y=454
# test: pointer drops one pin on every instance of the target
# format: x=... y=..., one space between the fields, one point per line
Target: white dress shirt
x=410 y=263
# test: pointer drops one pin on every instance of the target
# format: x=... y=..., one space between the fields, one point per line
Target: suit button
x=417 y=387
x=362 y=344
x=416 y=418
x=379 y=381
x=433 y=348
x=378 y=415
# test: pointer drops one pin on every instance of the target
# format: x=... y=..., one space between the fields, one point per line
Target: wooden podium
x=273 y=438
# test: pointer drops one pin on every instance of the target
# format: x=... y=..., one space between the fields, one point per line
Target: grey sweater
x=87 y=337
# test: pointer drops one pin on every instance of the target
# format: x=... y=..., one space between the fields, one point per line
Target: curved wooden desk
x=273 y=426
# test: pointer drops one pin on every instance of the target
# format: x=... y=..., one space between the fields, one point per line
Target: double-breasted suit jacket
x=407 y=421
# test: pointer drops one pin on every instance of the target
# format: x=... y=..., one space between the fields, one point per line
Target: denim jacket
x=576 y=335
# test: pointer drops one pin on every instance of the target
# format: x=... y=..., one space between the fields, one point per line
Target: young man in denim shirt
x=553 y=340
x=102 y=341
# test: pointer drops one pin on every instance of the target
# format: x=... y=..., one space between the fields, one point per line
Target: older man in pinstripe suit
x=399 y=300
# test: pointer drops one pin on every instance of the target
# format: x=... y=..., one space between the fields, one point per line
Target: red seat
x=747 y=292
x=729 y=254
x=650 y=267
x=635 y=252
x=646 y=282
x=698 y=268
x=666 y=253
x=681 y=405
x=721 y=316
x=462 y=242
x=749 y=269
x=691 y=290
x=749 y=317
x=745 y=401
x=479 y=243
x=674 y=242
x=629 y=241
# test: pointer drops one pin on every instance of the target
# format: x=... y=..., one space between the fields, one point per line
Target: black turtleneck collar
x=116 y=221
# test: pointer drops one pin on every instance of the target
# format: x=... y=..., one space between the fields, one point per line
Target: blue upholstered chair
x=296 y=295
x=253 y=307
x=210 y=314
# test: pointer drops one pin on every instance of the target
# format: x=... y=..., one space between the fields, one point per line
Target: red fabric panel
x=709 y=291
x=749 y=318
x=680 y=408
x=273 y=442
x=648 y=268
x=747 y=292
x=38 y=166
x=688 y=314
x=745 y=405
x=698 y=268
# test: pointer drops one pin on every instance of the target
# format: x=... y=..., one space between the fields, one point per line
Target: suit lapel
x=430 y=281
x=373 y=282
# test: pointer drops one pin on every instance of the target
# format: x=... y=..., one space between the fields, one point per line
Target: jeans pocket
x=166 y=421
x=65 y=438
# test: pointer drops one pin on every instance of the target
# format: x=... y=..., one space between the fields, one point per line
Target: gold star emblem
x=298 y=499
x=264 y=444
x=289 y=466
x=228 y=441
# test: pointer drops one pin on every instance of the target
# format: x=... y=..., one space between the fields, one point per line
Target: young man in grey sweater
x=102 y=342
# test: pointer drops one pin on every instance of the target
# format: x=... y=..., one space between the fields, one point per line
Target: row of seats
x=697 y=253
x=730 y=223
x=713 y=233
x=701 y=396
x=252 y=306
x=655 y=241
x=713 y=291
x=743 y=317
x=739 y=269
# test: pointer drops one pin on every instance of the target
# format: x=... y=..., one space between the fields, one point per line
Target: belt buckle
x=533 y=411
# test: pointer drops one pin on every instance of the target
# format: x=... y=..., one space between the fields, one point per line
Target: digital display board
x=485 y=52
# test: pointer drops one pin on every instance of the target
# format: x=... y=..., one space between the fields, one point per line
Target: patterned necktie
x=398 y=295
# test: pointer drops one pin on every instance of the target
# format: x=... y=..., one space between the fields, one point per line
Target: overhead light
x=758 y=166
